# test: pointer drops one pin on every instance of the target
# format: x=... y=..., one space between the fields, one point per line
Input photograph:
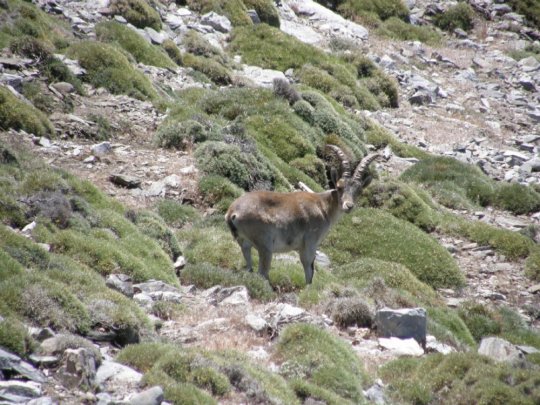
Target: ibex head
x=350 y=185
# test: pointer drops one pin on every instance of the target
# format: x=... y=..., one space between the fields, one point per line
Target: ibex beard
x=280 y=222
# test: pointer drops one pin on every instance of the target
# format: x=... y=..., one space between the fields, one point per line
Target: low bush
x=16 y=114
x=479 y=319
x=234 y=10
x=151 y=225
x=446 y=325
x=459 y=16
x=376 y=234
x=459 y=378
x=172 y=50
x=350 y=311
x=529 y=8
x=176 y=214
x=14 y=336
x=266 y=10
x=138 y=12
x=396 y=28
x=247 y=171
x=215 y=71
x=380 y=138
x=517 y=198
x=205 y=276
x=130 y=40
x=180 y=135
x=218 y=191
x=315 y=356
x=109 y=68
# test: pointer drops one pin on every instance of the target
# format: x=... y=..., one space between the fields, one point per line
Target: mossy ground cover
x=17 y=114
x=198 y=376
x=373 y=233
x=134 y=43
x=460 y=378
x=339 y=77
x=109 y=68
x=89 y=237
x=138 y=12
x=529 y=8
x=311 y=354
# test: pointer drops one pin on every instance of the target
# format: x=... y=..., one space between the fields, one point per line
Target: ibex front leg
x=307 y=257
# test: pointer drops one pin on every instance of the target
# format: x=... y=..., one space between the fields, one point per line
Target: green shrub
x=246 y=170
x=214 y=70
x=134 y=43
x=383 y=9
x=529 y=8
x=532 y=265
x=153 y=226
x=172 y=50
x=266 y=10
x=477 y=186
x=351 y=311
x=398 y=29
x=459 y=378
x=219 y=191
x=305 y=390
x=446 y=325
x=234 y=10
x=16 y=114
x=517 y=198
x=316 y=356
x=380 y=137
x=374 y=233
x=313 y=167
x=205 y=276
x=286 y=277
x=197 y=44
x=109 y=68
x=459 y=16
x=14 y=336
x=401 y=201
x=176 y=214
x=180 y=135
x=137 y=12
x=479 y=319
x=361 y=274
x=143 y=356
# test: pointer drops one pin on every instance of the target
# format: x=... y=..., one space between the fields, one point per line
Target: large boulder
x=402 y=323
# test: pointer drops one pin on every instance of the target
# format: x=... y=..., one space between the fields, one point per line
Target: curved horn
x=344 y=161
x=363 y=165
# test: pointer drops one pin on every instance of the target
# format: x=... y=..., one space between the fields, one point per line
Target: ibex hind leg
x=265 y=260
x=308 y=261
x=246 y=251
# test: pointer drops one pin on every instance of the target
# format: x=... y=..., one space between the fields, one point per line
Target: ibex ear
x=366 y=180
x=340 y=185
x=334 y=177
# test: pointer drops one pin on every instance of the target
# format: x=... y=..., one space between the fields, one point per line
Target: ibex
x=281 y=222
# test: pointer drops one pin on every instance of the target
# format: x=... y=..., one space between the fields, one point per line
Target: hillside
x=128 y=127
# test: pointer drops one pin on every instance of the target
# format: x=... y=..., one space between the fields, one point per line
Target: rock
x=44 y=361
x=111 y=371
x=122 y=283
x=172 y=181
x=27 y=230
x=153 y=286
x=499 y=350
x=156 y=37
x=125 y=180
x=156 y=189
x=78 y=370
x=232 y=296
x=421 y=97
x=19 y=391
x=255 y=322
x=534 y=289
x=254 y=16
x=402 y=323
x=12 y=364
x=401 y=347
x=63 y=87
x=151 y=396
x=174 y=21
x=103 y=148
x=180 y=263
x=432 y=345
x=14 y=81
x=528 y=349
x=527 y=83
x=375 y=393
x=42 y=401
x=218 y=22
x=262 y=77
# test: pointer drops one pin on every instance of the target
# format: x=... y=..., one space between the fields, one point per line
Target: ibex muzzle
x=280 y=222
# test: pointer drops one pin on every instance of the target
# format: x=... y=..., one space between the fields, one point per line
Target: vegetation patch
x=396 y=28
x=176 y=214
x=453 y=176
x=383 y=9
x=529 y=8
x=134 y=43
x=317 y=357
x=459 y=16
x=107 y=67
x=377 y=234
x=460 y=378
x=17 y=114
x=138 y=12
x=266 y=10
x=234 y=10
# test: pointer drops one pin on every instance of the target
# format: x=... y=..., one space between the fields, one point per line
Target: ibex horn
x=363 y=165
x=344 y=161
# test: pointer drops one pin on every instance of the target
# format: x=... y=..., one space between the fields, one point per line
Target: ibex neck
x=333 y=204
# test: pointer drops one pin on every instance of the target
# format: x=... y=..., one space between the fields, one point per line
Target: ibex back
x=281 y=222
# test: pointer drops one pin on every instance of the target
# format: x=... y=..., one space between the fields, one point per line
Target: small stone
x=79 y=369
x=180 y=263
x=125 y=180
x=499 y=350
x=254 y=16
x=257 y=323
x=111 y=371
x=401 y=347
x=421 y=97
x=101 y=149
x=64 y=87
x=216 y=21
x=151 y=396
x=122 y=283
x=534 y=289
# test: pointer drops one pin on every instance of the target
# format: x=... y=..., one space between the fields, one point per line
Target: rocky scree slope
x=169 y=111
